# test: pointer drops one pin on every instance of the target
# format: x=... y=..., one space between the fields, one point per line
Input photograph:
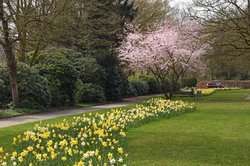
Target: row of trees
x=218 y=29
x=93 y=28
x=143 y=35
x=227 y=24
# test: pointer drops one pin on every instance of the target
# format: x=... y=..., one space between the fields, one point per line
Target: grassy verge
x=7 y=113
x=218 y=134
x=18 y=112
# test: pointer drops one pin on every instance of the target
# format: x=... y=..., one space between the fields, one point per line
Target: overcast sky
x=179 y=3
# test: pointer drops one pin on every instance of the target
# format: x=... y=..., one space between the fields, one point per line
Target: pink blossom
x=169 y=46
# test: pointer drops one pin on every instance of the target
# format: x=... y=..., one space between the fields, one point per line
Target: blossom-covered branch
x=169 y=52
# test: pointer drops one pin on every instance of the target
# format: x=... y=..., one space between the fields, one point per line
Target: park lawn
x=217 y=134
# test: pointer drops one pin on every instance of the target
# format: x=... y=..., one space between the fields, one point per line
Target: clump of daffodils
x=210 y=91
x=207 y=91
x=91 y=141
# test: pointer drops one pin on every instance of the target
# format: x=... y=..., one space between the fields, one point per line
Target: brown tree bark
x=9 y=54
x=22 y=47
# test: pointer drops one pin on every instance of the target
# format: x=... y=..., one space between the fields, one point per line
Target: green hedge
x=62 y=77
x=33 y=89
x=189 y=82
x=92 y=93
x=140 y=86
x=143 y=85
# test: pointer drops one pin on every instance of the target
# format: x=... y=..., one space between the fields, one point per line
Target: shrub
x=62 y=77
x=154 y=86
x=177 y=87
x=90 y=71
x=92 y=93
x=141 y=87
x=33 y=88
x=79 y=90
x=189 y=82
x=131 y=91
x=116 y=82
x=5 y=92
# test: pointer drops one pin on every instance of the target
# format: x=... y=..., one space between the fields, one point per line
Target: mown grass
x=217 y=134
x=18 y=112
x=7 y=113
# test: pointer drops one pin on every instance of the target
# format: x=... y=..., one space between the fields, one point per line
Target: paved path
x=54 y=114
x=248 y=97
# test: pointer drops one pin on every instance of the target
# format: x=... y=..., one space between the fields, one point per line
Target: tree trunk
x=11 y=63
x=168 y=95
x=164 y=87
x=166 y=91
x=22 y=47
x=10 y=57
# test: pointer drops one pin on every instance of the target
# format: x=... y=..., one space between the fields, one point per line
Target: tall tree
x=168 y=52
x=228 y=19
x=17 y=19
x=150 y=12
x=7 y=41
x=95 y=28
x=95 y=24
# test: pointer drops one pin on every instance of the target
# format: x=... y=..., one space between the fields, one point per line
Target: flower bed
x=99 y=140
x=210 y=91
x=207 y=91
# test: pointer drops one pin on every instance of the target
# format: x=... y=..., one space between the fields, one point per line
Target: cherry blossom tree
x=169 y=52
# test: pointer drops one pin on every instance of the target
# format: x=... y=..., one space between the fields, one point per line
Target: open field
x=218 y=134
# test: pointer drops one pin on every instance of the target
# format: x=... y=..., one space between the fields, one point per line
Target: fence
x=245 y=84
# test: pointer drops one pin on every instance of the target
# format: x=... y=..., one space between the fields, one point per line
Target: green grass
x=217 y=134
x=18 y=112
x=7 y=113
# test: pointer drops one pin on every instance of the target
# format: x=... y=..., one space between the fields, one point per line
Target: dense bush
x=115 y=83
x=90 y=71
x=131 y=91
x=143 y=84
x=177 y=87
x=92 y=93
x=33 y=89
x=79 y=90
x=62 y=76
x=140 y=86
x=154 y=86
x=5 y=92
x=189 y=82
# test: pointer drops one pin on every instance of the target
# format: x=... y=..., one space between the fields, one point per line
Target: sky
x=179 y=3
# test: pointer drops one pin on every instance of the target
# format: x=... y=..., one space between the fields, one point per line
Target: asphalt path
x=66 y=112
